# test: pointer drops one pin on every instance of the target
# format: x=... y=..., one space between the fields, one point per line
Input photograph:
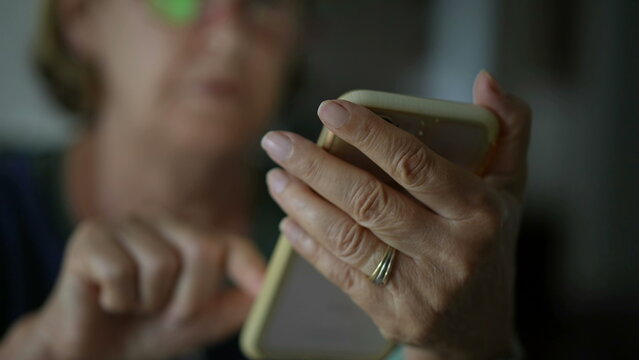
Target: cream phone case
x=301 y=315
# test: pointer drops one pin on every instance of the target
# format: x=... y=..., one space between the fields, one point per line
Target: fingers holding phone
x=455 y=245
x=428 y=177
x=339 y=190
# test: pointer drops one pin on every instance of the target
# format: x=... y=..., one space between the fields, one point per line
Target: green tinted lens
x=179 y=12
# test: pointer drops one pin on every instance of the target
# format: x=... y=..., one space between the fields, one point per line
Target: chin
x=216 y=135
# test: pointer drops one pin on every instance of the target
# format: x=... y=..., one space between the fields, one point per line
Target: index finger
x=436 y=182
x=243 y=263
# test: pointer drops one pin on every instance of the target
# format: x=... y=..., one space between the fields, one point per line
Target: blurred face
x=197 y=75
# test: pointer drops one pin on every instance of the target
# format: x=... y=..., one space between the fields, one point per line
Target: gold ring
x=382 y=272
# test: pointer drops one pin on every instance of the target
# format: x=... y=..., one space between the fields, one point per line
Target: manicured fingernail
x=494 y=85
x=277 y=145
x=277 y=180
x=333 y=114
x=297 y=236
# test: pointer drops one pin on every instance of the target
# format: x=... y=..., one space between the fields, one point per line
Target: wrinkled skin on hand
x=450 y=293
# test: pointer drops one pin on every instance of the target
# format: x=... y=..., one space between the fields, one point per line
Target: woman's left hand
x=450 y=292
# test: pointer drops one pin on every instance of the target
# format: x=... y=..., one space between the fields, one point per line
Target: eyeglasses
x=177 y=12
x=187 y=12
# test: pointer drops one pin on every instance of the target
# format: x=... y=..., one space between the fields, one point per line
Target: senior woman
x=158 y=189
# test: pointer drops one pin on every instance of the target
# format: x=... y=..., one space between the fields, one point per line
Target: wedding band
x=382 y=272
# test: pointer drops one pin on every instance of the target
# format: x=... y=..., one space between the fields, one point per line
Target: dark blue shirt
x=32 y=238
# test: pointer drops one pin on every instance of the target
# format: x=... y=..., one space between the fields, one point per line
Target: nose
x=221 y=25
x=217 y=12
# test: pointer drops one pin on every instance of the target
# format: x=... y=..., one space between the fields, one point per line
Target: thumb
x=508 y=167
x=245 y=265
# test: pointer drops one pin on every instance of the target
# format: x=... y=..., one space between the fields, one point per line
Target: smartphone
x=299 y=314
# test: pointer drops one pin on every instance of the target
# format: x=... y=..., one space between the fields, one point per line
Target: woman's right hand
x=141 y=290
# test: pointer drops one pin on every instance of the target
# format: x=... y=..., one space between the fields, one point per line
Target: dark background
x=577 y=64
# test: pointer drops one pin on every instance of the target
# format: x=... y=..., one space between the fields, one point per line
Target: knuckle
x=349 y=240
x=346 y=279
x=440 y=301
x=461 y=263
x=488 y=217
x=412 y=166
x=118 y=271
x=310 y=168
x=369 y=134
x=369 y=202
x=464 y=268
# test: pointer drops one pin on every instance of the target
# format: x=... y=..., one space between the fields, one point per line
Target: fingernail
x=494 y=85
x=297 y=236
x=277 y=145
x=277 y=180
x=333 y=114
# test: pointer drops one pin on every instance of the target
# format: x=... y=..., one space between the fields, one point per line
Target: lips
x=221 y=89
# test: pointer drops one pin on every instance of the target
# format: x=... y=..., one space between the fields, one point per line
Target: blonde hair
x=71 y=81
